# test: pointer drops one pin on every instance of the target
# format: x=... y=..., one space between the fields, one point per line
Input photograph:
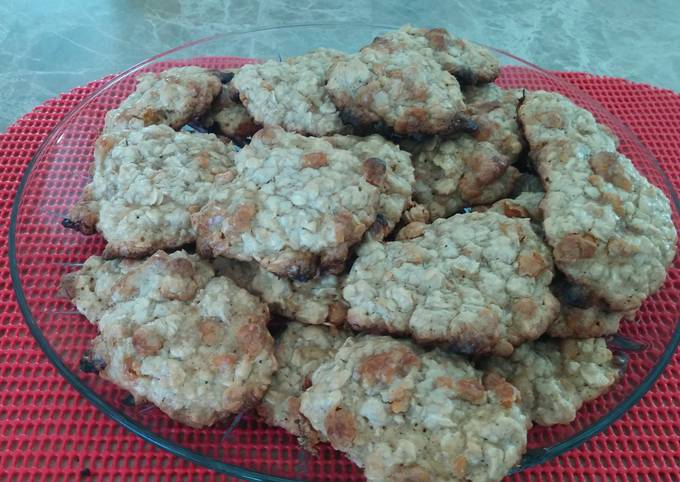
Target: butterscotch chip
x=525 y=205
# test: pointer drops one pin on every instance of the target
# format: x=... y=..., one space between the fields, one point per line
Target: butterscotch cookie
x=555 y=377
x=172 y=97
x=610 y=229
x=478 y=282
x=299 y=352
x=405 y=414
x=146 y=185
x=193 y=344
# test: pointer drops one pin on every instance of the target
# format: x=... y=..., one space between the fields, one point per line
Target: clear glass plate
x=41 y=251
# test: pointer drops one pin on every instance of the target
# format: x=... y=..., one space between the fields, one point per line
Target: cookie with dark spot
x=477 y=282
x=173 y=97
x=610 y=229
x=315 y=302
x=296 y=207
x=172 y=333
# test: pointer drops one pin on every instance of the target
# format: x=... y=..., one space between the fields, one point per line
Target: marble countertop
x=50 y=47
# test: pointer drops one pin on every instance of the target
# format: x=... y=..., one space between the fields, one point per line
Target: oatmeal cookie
x=230 y=118
x=315 y=302
x=408 y=415
x=555 y=377
x=193 y=344
x=610 y=229
x=396 y=83
x=495 y=112
x=296 y=207
x=582 y=315
x=172 y=97
x=291 y=94
x=299 y=351
x=90 y=288
x=452 y=174
x=397 y=187
x=146 y=185
x=477 y=282
x=468 y=62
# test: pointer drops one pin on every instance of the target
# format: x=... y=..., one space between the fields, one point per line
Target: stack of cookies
x=448 y=254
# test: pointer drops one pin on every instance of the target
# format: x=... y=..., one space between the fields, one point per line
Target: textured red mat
x=49 y=432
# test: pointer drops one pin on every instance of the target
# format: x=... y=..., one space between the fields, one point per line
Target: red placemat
x=49 y=432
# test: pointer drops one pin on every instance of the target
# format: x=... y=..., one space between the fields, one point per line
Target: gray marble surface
x=51 y=46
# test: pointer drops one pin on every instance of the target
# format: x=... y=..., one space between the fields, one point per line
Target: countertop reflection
x=52 y=46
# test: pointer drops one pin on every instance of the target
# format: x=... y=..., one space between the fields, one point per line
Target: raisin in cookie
x=397 y=186
x=315 y=302
x=583 y=315
x=230 y=118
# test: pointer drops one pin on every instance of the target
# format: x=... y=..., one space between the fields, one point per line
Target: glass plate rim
x=530 y=458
